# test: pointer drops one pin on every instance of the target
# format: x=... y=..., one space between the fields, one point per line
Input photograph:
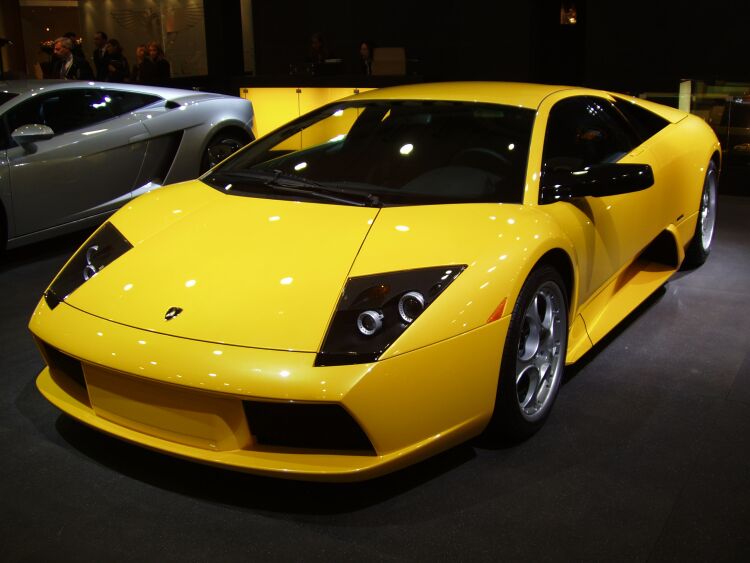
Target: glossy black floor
x=646 y=457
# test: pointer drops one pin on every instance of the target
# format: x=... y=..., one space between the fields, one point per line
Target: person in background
x=318 y=49
x=117 y=65
x=68 y=66
x=136 y=74
x=366 y=49
x=77 y=48
x=100 y=56
x=155 y=70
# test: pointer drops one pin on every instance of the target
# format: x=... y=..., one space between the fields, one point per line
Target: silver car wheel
x=708 y=211
x=221 y=148
x=539 y=364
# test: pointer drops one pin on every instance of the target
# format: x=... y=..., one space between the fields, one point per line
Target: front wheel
x=533 y=357
x=700 y=246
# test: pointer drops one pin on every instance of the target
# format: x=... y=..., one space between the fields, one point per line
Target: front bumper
x=190 y=398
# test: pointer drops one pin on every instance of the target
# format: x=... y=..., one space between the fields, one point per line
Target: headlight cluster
x=374 y=310
x=104 y=247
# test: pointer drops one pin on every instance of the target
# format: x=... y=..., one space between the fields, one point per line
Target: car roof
x=30 y=86
x=519 y=94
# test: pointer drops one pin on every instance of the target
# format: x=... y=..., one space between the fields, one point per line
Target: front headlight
x=374 y=310
x=104 y=247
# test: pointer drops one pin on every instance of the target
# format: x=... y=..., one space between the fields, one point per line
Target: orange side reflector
x=498 y=312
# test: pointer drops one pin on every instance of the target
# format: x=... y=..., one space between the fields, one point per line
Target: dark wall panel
x=451 y=39
x=651 y=45
x=631 y=46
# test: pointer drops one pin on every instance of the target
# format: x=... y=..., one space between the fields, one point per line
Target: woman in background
x=155 y=69
x=136 y=74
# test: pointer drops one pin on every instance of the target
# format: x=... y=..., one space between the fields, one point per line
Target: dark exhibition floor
x=646 y=457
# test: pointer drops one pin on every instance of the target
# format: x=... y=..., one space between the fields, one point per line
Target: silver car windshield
x=388 y=153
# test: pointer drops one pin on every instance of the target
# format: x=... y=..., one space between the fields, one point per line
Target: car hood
x=245 y=271
x=267 y=273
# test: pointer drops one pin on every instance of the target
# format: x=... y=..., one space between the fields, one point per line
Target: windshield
x=388 y=153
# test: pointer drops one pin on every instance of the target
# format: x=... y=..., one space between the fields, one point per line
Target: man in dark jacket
x=101 y=58
x=67 y=65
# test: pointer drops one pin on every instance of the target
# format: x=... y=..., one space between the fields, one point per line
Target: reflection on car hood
x=244 y=271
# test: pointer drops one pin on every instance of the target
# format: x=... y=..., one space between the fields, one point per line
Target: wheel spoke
x=537 y=395
x=532 y=313
x=547 y=319
x=531 y=332
x=527 y=385
x=523 y=364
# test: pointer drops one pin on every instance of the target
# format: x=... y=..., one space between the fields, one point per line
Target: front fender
x=499 y=243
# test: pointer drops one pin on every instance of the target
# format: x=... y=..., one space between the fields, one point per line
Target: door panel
x=88 y=168
x=621 y=226
x=609 y=232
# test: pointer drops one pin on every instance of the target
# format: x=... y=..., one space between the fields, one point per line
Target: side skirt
x=625 y=291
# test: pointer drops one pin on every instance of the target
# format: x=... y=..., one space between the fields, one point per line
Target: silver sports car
x=73 y=152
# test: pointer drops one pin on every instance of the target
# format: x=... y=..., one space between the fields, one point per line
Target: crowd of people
x=110 y=63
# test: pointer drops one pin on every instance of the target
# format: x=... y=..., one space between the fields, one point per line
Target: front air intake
x=306 y=426
x=64 y=365
x=66 y=371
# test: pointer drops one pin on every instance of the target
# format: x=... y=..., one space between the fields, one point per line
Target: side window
x=646 y=123
x=26 y=113
x=584 y=131
x=63 y=111
x=125 y=102
x=5 y=141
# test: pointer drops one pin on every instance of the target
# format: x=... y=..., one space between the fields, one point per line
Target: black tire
x=700 y=246
x=533 y=356
x=221 y=145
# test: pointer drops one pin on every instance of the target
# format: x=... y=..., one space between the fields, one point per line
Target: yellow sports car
x=380 y=279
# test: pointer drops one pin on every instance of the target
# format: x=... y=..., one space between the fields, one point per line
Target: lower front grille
x=136 y=404
x=64 y=363
x=66 y=371
x=304 y=425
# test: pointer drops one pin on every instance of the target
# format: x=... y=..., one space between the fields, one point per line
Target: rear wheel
x=533 y=357
x=700 y=247
x=220 y=147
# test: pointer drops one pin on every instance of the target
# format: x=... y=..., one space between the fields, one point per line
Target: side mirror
x=596 y=181
x=27 y=134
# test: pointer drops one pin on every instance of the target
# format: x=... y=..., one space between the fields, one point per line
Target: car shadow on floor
x=571 y=372
x=249 y=491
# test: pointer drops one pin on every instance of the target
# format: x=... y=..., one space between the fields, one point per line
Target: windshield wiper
x=289 y=183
